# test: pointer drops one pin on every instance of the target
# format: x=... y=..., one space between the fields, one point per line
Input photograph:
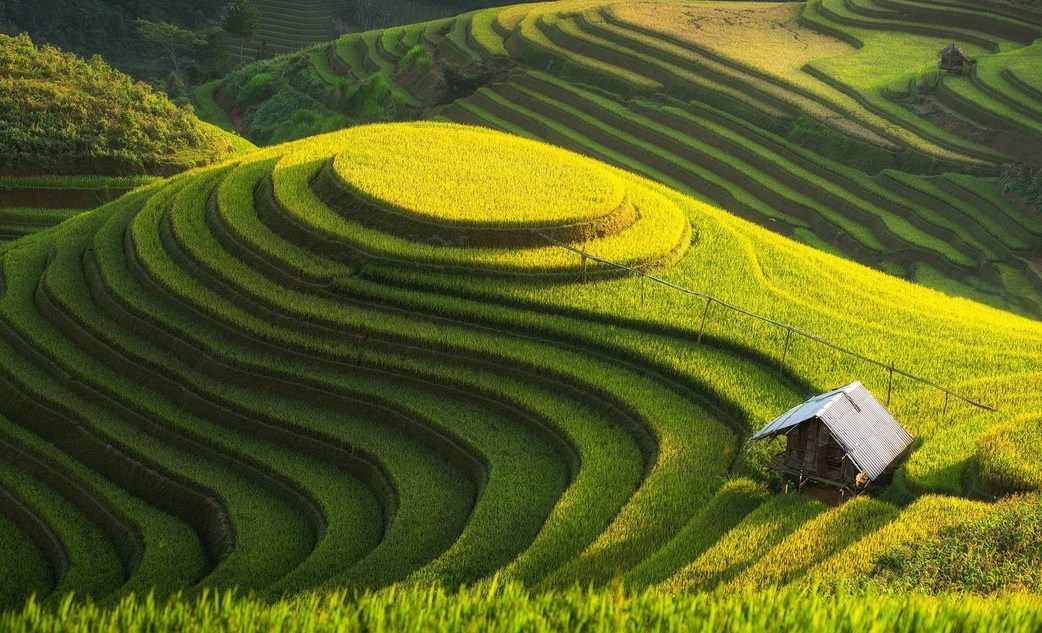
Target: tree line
x=170 y=44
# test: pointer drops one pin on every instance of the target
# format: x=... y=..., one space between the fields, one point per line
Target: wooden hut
x=844 y=438
x=954 y=59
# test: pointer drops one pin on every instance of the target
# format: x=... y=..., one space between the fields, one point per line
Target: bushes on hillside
x=419 y=57
x=290 y=115
x=62 y=114
x=284 y=99
x=1025 y=181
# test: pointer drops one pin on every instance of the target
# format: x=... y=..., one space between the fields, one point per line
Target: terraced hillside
x=30 y=204
x=354 y=360
x=290 y=26
x=835 y=129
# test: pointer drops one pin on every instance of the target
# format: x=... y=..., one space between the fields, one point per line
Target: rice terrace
x=580 y=315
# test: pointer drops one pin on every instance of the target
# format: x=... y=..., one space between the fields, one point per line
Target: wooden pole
x=785 y=352
x=642 y=291
x=944 y=411
x=584 y=268
x=890 y=385
x=705 y=315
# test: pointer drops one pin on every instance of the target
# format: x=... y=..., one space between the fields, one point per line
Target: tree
x=264 y=51
x=242 y=21
x=172 y=38
x=213 y=55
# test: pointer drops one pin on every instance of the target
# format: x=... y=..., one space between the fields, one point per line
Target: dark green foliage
x=814 y=136
x=106 y=27
x=1000 y=552
x=370 y=97
x=256 y=88
x=242 y=21
x=1024 y=181
x=418 y=57
x=86 y=117
x=290 y=115
x=282 y=102
x=234 y=85
x=301 y=77
x=214 y=58
x=264 y=51
x=174 y=40
x=286 y=101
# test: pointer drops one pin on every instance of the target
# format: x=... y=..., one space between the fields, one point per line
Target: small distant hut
x=954 y=59
x=844 y=438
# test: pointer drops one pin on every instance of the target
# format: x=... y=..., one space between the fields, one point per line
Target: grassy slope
x=266 y=374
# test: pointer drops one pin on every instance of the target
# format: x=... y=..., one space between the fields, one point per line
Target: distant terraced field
x=834 y=129
x=286 y=27
x=352 y=361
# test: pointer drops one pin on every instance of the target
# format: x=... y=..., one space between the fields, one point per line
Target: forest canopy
x=106 y=27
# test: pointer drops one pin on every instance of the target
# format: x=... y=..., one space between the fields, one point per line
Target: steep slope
x=356 y=360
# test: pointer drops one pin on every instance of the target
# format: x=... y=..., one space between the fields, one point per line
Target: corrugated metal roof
x=801 y=412
x=863 y=427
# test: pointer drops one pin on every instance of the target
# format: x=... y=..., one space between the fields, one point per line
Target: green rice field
x=392 y=377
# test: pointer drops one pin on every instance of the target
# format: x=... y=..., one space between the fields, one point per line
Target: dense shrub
x=370 y=97
x=291 y=115
x=256 y=88
x=1025 y=181
x=419 y=56
x=59 y=113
